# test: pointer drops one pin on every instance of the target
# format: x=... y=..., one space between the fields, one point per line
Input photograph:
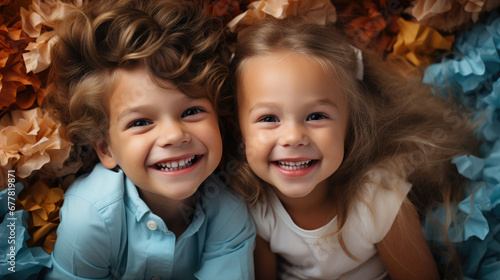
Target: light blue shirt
x=107 y=231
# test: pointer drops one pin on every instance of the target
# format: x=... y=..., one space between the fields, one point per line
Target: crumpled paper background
x=457 y=42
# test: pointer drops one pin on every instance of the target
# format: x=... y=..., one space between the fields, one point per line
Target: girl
x=341 y=156
x=138 y=80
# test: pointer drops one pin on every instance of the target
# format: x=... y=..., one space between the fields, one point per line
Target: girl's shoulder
x=265 y=215
x=381 y=183
x=378 y=203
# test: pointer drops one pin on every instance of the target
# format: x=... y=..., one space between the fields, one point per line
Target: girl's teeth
x=175 y=165
x=294 y=165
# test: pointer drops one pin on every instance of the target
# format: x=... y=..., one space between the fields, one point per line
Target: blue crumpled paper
x=28 y=261
x=473 y=62
x=471 y=74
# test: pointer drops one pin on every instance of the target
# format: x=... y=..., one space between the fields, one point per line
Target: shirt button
x=152 y=226
x=156 y=278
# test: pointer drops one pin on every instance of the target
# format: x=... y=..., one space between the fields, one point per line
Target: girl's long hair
x=394 y=121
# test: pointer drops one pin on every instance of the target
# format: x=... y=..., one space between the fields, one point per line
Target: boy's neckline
x=169 y=210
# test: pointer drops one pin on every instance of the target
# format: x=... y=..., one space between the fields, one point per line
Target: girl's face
x=166 y=142
x=293 y=122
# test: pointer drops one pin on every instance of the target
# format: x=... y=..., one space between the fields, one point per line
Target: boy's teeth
x=294 y=165
x=175 y=165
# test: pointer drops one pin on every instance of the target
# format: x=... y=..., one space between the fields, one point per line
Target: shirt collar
x=140 y=208
x=137 y=205
x=198 y=216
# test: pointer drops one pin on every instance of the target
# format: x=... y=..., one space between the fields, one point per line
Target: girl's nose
x=173 y=134
x=293 y=135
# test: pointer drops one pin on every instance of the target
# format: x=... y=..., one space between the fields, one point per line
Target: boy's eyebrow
x=130 y=110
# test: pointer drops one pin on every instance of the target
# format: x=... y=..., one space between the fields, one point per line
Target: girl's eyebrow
x=326 y=101
x=264 y=104
x=323 y=101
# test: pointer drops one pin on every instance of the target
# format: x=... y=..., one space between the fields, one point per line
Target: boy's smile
x=166 y=142
x=170 y=165
x=293 y=122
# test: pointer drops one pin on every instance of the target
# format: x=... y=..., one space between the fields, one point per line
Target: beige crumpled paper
x=314 y=11
x=30 y=139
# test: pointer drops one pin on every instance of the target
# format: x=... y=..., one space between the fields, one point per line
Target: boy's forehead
x=136 y=83
x=141 y=80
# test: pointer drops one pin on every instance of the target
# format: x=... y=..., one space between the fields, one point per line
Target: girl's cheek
x=251 y=153
x=263 y=138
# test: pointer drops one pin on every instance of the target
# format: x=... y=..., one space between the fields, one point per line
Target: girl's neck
x=172 y=212
x=311 y=211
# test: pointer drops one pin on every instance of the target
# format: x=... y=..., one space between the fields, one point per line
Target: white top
x=303 y=255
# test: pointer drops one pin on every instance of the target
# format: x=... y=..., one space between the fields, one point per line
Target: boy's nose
x=173 y=134
x=293 y=135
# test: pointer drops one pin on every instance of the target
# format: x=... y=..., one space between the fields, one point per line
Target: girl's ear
x=105 y=154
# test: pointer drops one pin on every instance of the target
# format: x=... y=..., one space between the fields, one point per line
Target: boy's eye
x=316 y=117
x=268 y=118
x=141 y=122
x=192 y=111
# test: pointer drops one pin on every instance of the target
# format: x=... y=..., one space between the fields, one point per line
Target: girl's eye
x=316 y=117
x=192 y=111
x=141 y=122
x=268 y=118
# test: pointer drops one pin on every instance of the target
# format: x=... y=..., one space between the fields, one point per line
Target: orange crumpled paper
x=17 y=88
x=372 y=24
x=42 y=203
x=450 y=15
x=420 y=44
x=226 y=9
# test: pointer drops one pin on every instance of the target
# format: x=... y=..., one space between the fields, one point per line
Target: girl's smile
x=295 y=168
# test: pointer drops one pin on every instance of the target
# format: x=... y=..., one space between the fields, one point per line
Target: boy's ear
x=105 y=155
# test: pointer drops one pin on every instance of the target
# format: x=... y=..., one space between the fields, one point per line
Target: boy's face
x=166 y=142
x=293 y=122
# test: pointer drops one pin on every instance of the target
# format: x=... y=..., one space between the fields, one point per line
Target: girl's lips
x=295 y=168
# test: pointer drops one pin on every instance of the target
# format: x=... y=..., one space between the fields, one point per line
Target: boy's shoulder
x=99 y=187
x=217 y=198
x=225 y=212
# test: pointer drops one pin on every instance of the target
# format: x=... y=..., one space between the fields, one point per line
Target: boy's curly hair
x=176 y=40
